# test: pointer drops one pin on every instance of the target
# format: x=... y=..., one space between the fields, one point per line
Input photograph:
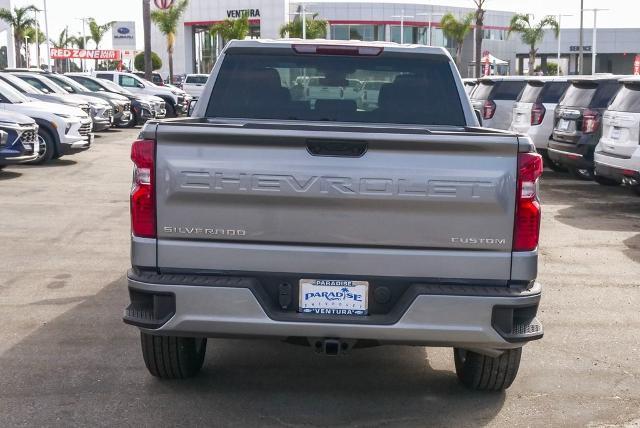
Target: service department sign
x=124 y=35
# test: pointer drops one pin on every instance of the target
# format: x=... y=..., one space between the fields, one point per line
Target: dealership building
x=196 y=50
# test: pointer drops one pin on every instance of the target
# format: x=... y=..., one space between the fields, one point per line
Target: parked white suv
x=494 y=97
x=175 y=101
x=194 y=84
x=62 y=130
x=617 y=155
x=533 y=113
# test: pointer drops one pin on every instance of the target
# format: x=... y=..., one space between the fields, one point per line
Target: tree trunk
x=146 y=24
x=18 y=47
x=479 y=37
x=532 y=61
x=458 y=55
x=171 y=67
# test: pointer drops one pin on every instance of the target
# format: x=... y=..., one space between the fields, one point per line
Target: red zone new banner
x=109 y=54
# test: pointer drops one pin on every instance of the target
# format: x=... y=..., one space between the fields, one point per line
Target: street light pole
x=46 y=30
x=594 y=50
x=37 y=40
x=304 y=22
x=402 y=16
x=304 y=13
x=559 y=36
x=430 y=16
x=581 y=47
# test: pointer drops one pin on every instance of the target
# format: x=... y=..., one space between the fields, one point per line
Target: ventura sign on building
x=239 y=13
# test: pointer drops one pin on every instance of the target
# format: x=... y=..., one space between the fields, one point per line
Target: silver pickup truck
x=320 y=222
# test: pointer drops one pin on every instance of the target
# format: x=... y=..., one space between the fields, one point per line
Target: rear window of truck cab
x=628 y=99
x=284 y=85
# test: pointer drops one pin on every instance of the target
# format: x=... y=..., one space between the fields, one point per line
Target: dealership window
x=206 y=47
x=494 y=34
x=357 y=32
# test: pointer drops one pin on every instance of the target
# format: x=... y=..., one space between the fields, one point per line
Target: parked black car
x=578 y=123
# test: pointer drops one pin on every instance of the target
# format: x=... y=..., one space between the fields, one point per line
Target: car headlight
x=145 y=105
x=64 y=116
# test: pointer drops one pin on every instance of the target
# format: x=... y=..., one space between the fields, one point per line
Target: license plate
x=615 y=133
x=333 y=297
x=563 y=125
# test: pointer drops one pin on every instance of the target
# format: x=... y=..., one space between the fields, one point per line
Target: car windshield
x=20 y=85
x=579 y=94
x=421 y=91
x=65 y=81
x=196 y=79
x=114 y=88
x=628 y=99
x=11 y=95
x=43 y=84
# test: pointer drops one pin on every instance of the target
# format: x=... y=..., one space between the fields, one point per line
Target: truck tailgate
x=227 y=195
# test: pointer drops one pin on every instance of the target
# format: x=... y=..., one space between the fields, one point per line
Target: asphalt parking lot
x=67 y=359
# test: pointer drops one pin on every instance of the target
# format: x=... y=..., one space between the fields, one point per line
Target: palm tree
x=146 y=23
x=63 y=42
x=167 y=22
x=479 y=16
x=80 y=42
x=20 y=21
x=37 y=37
x=531 y=35
x=231 y=29
x=456 y=30
x=98 y=31
x=316 y=28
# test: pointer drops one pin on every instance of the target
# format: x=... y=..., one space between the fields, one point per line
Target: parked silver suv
x=495 y=97
x=617 y=155
x=533 y=113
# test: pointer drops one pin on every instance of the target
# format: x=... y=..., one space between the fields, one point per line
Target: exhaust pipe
x=629 y=181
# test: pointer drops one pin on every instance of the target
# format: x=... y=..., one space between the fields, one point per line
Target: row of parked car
x=587 y=125
x=46 y=115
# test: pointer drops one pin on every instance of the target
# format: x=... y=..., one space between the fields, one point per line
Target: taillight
x=488 y=109
x=526 y=229
x=143 y=204
x=338 y=50
x=537 y=114
x=590 y=122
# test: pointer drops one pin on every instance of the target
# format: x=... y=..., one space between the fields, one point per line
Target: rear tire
x=553 y=165
x=170 y=357
x=583 y=174
x=604 y=181
x=133 y=121
x=47 y=147
x=484 y=373
x=171 y=110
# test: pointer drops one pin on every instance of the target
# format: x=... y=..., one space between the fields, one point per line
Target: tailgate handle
x=349 y=149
